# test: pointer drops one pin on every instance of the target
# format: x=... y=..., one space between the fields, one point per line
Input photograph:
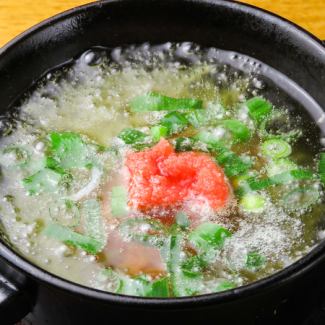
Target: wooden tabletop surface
x=17 y=16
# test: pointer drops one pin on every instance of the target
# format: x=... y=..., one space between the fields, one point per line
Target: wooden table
x=18 y=15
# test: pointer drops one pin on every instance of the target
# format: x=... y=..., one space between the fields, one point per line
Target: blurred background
x=17 y=16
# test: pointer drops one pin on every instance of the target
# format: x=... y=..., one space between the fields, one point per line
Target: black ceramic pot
x=223 y=24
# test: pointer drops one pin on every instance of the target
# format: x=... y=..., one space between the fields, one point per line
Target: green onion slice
x=119 y=201
x=255 y=261
x=278 y=166
x=252 y=202
x=184 y=144
x=158 y=288
x=182 y=219
x=276 y=148
x=93 y=222
x=233 y=165
x=158 y=132
x=175 y=122
x=156 y=102
x=208 y=235
x=44 y=180
x=301 y=198
x=321 y=167
x=258 y=109
x=239 y=130
x=131 y=136
x=225 y=285
x=72 y=238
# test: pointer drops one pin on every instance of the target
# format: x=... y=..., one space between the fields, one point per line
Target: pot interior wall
x=230 y=27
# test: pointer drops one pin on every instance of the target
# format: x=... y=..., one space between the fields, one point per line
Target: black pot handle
x=15 y=301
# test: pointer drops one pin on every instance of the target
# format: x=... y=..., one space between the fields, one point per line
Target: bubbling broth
x=161 y=171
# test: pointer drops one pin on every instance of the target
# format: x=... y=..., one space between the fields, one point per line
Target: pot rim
x=290 y=273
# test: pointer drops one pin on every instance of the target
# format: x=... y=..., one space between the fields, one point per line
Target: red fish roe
x=159 y=177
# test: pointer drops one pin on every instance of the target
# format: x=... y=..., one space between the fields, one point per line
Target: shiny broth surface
x=161 y=171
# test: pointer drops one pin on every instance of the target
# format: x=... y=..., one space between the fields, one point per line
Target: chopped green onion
x=193 y=266
x=159 y=288
x=255 y=261
x=238 y=129
x=156 y=102
x=158 y=132
x=175 y=122
x=131 y=136
x=119 y=200
x=184 y=144
x=252 y=202
x=197 y=118
x=53 y=164
x=279 y=166
x=276 y=148
x=182 y=219
x=207 y=137
x=208 y=235
x=258 y=109
x=280 y=179
x=93 y=222
x=21 y=156
x=45 y=180
x=277 y=126
x=233 y=164
x=182 y=285
x=301 y=198
x=115 y=281
x=72 y=238
x=321 y=167
x=67 y=214
x=225 y=285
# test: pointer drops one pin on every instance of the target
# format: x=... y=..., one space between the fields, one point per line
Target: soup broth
x=161 y=171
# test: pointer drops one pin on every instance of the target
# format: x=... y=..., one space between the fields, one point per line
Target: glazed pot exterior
x=222 y=24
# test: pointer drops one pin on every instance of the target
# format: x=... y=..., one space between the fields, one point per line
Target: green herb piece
x=119 y=201
x=45 y=180
x=72 y=238
x=276 y=148
x=301 y=198
x=252 y=202
x=184 y=144
x=93 y=223
x=131 y=136
x=182 y=219
x=158 y=132
x=239 y=130
x=258 y=109
x=321 y=167
x=156 y=102
x=255 y=261
x=208 y=235
x=175 y=122
x=225 y=285
x=69 y=151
